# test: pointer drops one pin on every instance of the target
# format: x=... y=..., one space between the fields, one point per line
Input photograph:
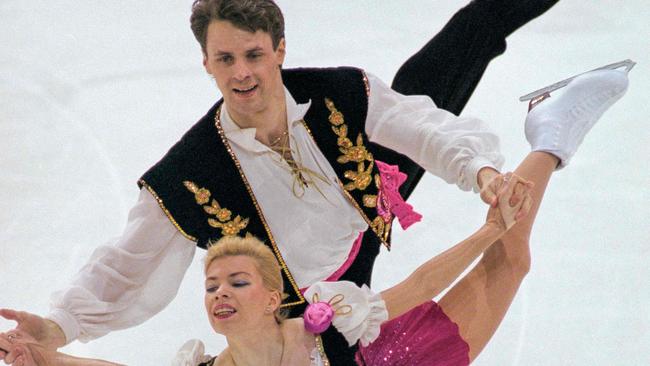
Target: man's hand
x=489 y=180
x=508 y=210
x=492 y=187
x=43 y=331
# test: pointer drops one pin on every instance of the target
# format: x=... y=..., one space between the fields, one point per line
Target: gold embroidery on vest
x=370 y=200
x=222 y=216
x=379 y=224
x=362 y=177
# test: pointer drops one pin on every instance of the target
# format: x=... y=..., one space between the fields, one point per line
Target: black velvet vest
x=201 y=188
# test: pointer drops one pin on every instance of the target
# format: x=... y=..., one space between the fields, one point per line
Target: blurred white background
x=94 y=92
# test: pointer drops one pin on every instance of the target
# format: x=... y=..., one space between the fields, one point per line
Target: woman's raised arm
x=434 y=276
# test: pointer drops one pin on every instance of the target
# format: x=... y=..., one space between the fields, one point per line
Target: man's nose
x=242 y=71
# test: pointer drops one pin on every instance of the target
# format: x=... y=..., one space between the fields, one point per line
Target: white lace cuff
x=191 y=354
x=368 y=310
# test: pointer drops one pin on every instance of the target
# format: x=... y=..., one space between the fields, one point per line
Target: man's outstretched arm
x=123 y=284
x=454 y=148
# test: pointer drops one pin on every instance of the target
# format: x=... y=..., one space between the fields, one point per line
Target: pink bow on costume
x=389 y=201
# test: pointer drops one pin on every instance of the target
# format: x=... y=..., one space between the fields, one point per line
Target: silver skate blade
x=628 y=64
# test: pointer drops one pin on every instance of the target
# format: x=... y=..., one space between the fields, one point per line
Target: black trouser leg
x=449 y=67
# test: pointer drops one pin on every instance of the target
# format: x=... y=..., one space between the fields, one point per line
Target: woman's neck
x=262 y=346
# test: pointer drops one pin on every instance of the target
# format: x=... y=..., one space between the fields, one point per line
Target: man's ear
x=205 y=63
x=281 y=52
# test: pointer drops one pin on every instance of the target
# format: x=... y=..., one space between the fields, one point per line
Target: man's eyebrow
x=254 y=49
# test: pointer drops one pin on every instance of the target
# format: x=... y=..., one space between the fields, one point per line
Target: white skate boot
x=559 y=124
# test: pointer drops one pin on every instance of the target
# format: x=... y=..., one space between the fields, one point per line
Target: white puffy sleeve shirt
x=130 y=279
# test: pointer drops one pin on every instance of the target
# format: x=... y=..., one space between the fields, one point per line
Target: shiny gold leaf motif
x=356 y=153
x=221 y=219
x=224 y=214
x=361 y=179
x=370 y=200
x=233 y=227
x=378 y=226
x=336 y=117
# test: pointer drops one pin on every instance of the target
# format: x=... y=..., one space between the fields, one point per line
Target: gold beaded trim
x=354 y=202
x=221 y=215
x=167 y=213
x=366 y=83
x=278 y=255
x=321 y=351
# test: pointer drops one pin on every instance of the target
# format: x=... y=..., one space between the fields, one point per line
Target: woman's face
x=235 y=297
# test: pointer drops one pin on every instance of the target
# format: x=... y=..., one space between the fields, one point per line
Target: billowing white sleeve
x=451 y=147
x=367 y=309
x=128 y=280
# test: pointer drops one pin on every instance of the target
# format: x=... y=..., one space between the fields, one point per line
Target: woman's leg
x=480 y=300
x=449 y=67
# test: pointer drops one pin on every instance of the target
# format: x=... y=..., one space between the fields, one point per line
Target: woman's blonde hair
x=265 y=262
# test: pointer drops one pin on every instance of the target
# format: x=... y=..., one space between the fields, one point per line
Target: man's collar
x=245 y=137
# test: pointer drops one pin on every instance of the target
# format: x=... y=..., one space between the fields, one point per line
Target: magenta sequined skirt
x=423 y=336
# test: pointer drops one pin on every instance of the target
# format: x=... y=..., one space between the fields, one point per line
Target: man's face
x=245 y=66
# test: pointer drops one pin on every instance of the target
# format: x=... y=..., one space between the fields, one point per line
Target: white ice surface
x=94 y=92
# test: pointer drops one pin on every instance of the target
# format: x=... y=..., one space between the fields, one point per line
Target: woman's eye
x=211 y=289
x=240 y=284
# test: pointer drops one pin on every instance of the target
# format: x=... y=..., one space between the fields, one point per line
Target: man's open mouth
x=245 y=91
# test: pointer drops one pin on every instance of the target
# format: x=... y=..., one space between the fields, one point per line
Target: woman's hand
x=514 y=201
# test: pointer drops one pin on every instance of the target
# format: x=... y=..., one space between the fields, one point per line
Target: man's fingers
x=507 y=185
x=489 y=192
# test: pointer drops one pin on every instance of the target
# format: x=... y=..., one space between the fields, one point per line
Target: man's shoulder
x=326 y=71
x=313 y=81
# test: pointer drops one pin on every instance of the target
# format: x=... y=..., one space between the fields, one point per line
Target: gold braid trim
x=366 y=83
x=167 y=213
x=278 y=255
x=321 y=351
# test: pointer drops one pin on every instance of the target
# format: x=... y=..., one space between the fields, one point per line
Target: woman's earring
x=268 y=309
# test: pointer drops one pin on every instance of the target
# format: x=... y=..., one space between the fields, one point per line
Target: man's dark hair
x=248 y=15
